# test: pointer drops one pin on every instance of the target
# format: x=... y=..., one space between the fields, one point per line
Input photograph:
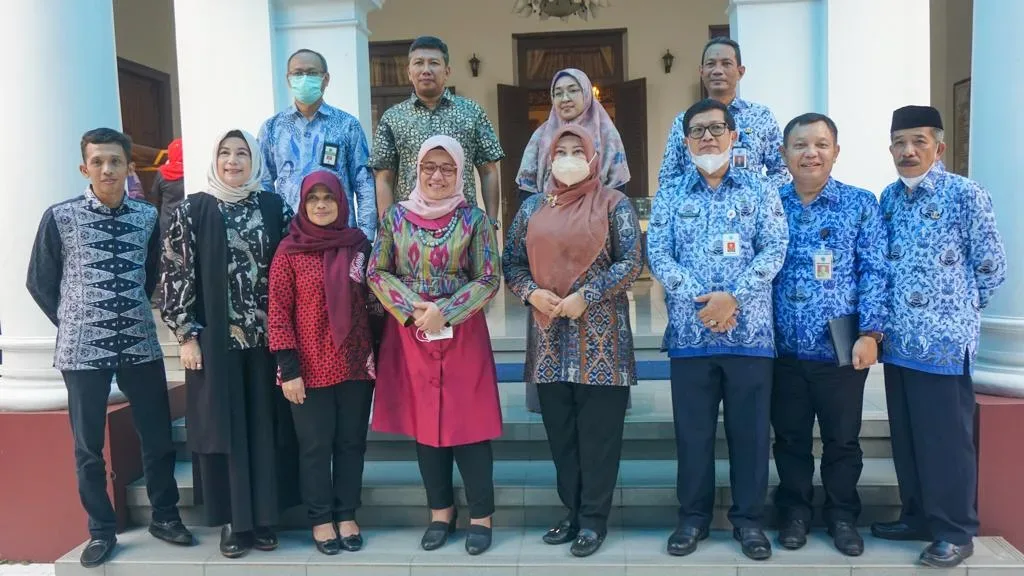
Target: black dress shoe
x=793 y=534
x=941 y=554
x=328 y=547
x=173 y=531
x=353 y=543
x=754 y=543
x=684 y=540
x=234 y=544
x=898 y=530
x=478 y=540
x=587 y=542
x=437 y=534
x=97 y=551
x=563 y=533
x=846 y=538
x=264 y=539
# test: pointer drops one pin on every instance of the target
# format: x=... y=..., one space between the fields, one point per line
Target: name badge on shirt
x=329 y=159
x=731 y=245
x=739 y=157
x=823 y=265
x=445 y=333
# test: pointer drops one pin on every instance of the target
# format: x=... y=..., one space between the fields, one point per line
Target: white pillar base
x=33 y=384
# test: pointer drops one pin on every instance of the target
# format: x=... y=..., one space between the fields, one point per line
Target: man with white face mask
x=946 y=260
x=717 y=237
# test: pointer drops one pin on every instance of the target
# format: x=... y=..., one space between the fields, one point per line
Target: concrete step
x=649 y=432
x=525 y=494
x=520 y=552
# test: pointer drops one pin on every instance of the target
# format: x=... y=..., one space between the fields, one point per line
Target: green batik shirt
x=403 y=128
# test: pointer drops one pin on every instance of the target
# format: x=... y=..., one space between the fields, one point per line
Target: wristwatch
x=877 y=336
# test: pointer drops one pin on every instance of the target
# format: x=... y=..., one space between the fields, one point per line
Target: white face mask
x=571 y=170
x=710 y=163
x=912 y=183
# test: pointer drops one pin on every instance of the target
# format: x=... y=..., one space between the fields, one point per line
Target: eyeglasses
x=447 y=170
x=716 y=129
x=301 y=73
x=572 y=93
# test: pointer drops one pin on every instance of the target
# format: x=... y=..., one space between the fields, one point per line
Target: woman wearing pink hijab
x=434 y=267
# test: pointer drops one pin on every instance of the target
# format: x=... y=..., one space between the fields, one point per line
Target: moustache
x=909 y=162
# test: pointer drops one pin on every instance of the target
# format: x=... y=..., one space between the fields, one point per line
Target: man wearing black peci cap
x=946 y=260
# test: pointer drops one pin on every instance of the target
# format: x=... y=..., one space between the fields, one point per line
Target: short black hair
x=430 y=43
x=722 y=41
x=107 y=136
x=323 y=61
x=706 y=105
x=808 y=119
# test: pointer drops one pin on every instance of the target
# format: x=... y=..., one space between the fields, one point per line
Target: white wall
x=485 y=27
x=144 y=31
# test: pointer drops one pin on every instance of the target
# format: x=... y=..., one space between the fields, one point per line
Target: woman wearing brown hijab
x=571 y=254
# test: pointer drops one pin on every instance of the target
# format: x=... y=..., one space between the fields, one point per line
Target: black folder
x=844 y=332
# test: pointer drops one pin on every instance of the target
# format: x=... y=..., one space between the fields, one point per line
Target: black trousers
x=931 y=420
x=331 y=425
x=145 y=386
x=699 y=385
x=476 y=465
x=802 y=390
x=584 y=426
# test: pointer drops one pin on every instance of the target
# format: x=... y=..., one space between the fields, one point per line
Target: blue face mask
x=306 y=89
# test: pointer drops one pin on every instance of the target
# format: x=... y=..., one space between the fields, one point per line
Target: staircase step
x=519 y=551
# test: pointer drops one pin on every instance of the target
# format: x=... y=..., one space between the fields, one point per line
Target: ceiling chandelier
x=559 y=8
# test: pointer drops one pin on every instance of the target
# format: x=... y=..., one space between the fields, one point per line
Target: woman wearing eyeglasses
x=434 y=267
x=572 y=103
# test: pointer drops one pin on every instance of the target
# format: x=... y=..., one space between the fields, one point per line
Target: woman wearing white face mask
x=571 y=254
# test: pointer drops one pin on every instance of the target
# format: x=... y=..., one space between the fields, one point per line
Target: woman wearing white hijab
x=214 y=296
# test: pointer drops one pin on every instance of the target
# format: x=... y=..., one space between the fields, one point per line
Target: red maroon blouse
x=298 y=321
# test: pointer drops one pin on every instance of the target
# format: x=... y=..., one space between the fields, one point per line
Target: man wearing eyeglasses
x=312 y=135
x=717 y=238
x=758 y=137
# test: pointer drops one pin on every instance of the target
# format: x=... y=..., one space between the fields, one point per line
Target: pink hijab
x=424 y=207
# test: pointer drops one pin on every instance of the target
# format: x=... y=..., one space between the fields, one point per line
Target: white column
x=878 y=60
x=997 y=78
x=781 y=44
x=225 y=75
x=337 y=29
x=63 y=83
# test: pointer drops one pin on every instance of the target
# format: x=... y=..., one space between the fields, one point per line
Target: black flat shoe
x=846 y=538
x=754 y=543
x=173 y=532
x=478 y=540
x=563 y=533
x=97 y=551
x=437 y=534
x=793 y=534
x=587 y=542
x=898 y=531
x=328 y=547
x=684 y=540
x=264 y=539
x=942 y=554
x=353 y=543
x=234 y=544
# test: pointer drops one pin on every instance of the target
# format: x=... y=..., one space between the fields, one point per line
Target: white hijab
x=231 y=194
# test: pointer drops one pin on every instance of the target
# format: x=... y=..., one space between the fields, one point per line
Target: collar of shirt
x=323 y=110
x=738 y=104
x=692 y=178
x=927 y=186
x=830 y=193
x=446 y=98
x=93 y=202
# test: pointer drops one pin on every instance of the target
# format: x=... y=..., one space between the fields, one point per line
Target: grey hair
x=939 y=135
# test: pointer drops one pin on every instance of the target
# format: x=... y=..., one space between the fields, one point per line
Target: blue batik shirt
x=759 y=140
x=689 y=227
x=946 y=259
x=333 y=140
x=843 y=226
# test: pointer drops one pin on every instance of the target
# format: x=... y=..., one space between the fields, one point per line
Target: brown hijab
x=568 y=232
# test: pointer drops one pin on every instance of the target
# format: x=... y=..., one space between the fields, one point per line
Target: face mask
x=912 y=183
x=710 y=163
x=306 y=89
x=571 y=170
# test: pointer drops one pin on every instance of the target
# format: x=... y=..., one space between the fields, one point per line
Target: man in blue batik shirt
x=312 y=135
x=835 y=267
x=946 y=260
x=758 y=136
x=717 y=238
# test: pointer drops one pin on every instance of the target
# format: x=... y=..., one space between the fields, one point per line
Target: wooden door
x=631 y=120
x=145 y=95
x=514 y=133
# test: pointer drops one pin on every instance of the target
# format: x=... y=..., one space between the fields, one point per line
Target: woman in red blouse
x=324 y=355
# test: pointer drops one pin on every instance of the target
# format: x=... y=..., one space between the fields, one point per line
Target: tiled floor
x=26 y=569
